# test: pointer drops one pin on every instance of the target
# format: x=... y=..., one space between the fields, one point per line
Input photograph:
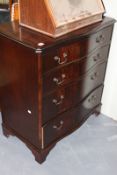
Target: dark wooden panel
x=58 y=127
x=77 y=50
x=4 y=6
x=74 y=71
x=19 y=89
x=90 y=102
x=66 y=97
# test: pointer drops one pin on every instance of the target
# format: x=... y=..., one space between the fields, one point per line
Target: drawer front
x=62 y=125
x=69 y=73
x=62 y=55
x=88 y=104
x=65 y=97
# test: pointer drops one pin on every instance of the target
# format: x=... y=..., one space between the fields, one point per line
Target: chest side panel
x=19 y=89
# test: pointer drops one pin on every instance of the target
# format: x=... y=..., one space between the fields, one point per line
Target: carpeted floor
x=91 y=150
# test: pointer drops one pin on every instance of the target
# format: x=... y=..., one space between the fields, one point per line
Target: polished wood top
x=32 y=39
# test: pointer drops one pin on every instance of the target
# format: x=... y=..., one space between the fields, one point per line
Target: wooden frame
x=46 y=21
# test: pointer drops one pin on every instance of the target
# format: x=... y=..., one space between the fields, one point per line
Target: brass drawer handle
x=59 y=127
x=94 y=76
x=59 y=82
x=97 y=57
x=56 y=102
x=92 y=99
x=58 y=59
x=100 y=39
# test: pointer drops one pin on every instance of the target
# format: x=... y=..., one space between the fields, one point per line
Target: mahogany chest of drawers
x=49 y=87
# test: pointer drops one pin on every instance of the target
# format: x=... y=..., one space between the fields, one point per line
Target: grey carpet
x=91 y=150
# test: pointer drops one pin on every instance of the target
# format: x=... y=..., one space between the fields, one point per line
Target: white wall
x=109 y=99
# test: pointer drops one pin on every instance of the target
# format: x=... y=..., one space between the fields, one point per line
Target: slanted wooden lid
x=67 y=11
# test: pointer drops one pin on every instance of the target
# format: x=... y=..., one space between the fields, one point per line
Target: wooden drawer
x=62 y=55
x=65 y=97
x=89 y=103
x=68 y=73
x=66 y=122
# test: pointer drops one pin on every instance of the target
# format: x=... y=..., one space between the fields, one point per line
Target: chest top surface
x=31 y=39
